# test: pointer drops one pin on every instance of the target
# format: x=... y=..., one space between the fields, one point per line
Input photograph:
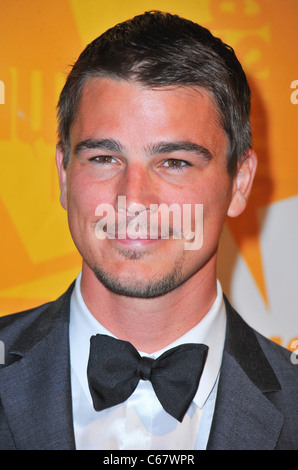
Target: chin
x=134 y=286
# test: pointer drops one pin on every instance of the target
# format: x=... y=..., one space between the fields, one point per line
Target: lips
x=134 y=230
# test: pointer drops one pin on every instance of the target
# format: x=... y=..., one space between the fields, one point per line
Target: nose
x=136 y=191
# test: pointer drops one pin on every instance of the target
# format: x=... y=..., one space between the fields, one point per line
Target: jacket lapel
x=40 y=375
x=244 y=417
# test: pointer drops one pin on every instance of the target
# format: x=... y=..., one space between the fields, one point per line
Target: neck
x=151 y=324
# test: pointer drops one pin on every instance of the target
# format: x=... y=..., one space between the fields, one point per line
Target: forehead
x=114 y=89
x=109 y=105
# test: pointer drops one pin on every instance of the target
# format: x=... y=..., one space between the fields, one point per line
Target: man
x=153 y=115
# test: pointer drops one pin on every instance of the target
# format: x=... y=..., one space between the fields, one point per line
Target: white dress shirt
x=141 y=422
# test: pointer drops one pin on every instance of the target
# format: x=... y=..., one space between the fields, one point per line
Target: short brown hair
x=159 y=49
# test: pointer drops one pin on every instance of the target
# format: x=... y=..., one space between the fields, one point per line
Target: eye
x=176 y=164
x=103 y=159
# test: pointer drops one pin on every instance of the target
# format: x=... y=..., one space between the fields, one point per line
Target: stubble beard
x=134 y=287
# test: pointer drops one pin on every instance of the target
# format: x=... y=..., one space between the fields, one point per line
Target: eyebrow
x=97 y=144
x=184 y=146
x=154 y=149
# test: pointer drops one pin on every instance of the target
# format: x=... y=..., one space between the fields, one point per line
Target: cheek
x=214 y=195
x=79 y=200
x=84 y=195
x=215 y=213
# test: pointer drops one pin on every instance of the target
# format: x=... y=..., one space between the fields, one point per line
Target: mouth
x=137 y=242
x=134 y=235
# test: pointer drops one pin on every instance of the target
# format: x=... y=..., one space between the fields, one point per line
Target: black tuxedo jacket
x=256 y=405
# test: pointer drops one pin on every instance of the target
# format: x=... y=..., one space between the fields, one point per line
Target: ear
x=242 y=184
x=62 y=177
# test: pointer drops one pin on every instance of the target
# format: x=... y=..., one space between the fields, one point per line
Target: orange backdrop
x=39 y=40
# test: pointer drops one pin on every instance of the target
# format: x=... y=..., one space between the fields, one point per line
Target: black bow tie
x=115 y=368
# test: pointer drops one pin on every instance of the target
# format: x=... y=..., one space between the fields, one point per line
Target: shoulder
x=283 y=362
x=256 y=352
x=21 y=330
x=12 y=324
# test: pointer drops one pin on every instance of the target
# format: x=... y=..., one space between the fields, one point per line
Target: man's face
x=151 y=147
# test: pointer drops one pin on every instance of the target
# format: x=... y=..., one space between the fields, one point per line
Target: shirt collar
x=210 y=331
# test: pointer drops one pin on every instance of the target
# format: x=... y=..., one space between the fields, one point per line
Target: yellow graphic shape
x=36 y=246
x=36 y=215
